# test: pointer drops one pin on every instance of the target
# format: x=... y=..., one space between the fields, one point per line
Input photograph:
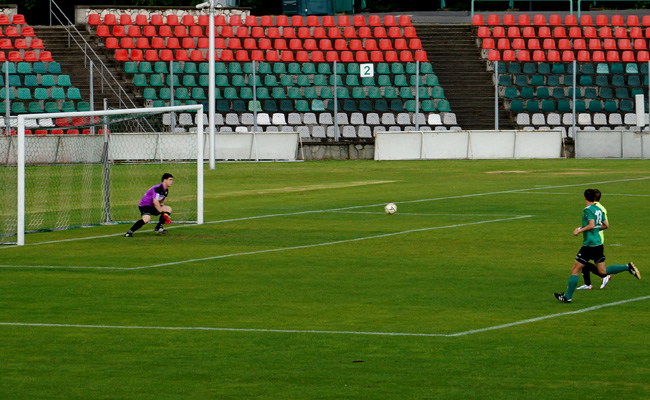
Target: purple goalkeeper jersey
x=157 y=192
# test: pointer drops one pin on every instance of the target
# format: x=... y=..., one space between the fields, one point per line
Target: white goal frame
x=20 y=156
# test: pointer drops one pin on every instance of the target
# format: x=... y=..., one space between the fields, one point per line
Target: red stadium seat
x=127 y=43
x=620 y=33
x=125 y=19
x=375 y=20
x=36 y=44
x=477 y=20
x=632 y=20
x=523 y=20
x=643 y=56
x=242 y=56
x=197 y=56
x=579 y=44
x=250 y=20
x=595 y=44
x=396 y=32
x=544 y=32
x=636 y=32
x=518 y=44
x=559 y=32
x=421 y=55
x=273 y=32
x=404 y=20
x=45 y=56
x=350 y=33
x=94 y=19
x=357 y=45
x=166 y=55
x=180 y=31
x=347 y=56
x=172 y=20
x=359 y=20
x=640 y=44
x=173 y=43
x=272 y=56
x=568 y=55
x=227 y=32
x=266 y=20
x=289 y=32
x=628 y=56
x=575 y=32
x=539 y=56
x=605 y=32
x=118 y=31
x=149 y=31
x=529 y=32
x=188 y=43
x=409 y=32
x=523 y=55
x=110 y=19
x=295 y=44
x=142 y=20
x=597 y=56
x=508 y=55
x=196 y=31
x=332 y=56
x=624 y=44
x=220 y=20
x=493 y=20
x=555 y=20
x=391 y=56
x=134 y=31
x=250 y=44
x=549 y=44
x=617 y=20
x=227 y=55
x=484 y=32
x=586 y=20
x=613 y=56
x=380 y=32
x=564 y=44
x=376 y=56
x=151 y=55
x=282 y=20
x=157 y=19
x=508 y=20
x=533 y=44
x=371 y=45
x=286 y=56
x=317 y=56
x=609 y=44
x=513 y=32
x=280 y=44
x=389 y=20
x=539 y=19
x=165 y=31
x=297 y=21
x=488 y=44
x=494 y=55
x=242 y=32
x=361 y=56
x=498 y=32
x=235 y=20
x=570 y=20
x=503 y=44
x=415 y=44
x=365 y=32
x=553 y=56
x=328 y=21
x=405 y=56
x=602 y=20
x=589 y=32
x=111 y=43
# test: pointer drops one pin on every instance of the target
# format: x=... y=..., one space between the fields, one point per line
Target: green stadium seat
x=18 y=108
x=384 y=80
x=14 y=80
x=294 y=93
x=618 y=80
x=580 y=106
x=63 y=80
x=287 y=105
x=397 y=68
x=39 y=67
x=8 y=65
x=400 y=80
x=352 y=80
x=590 y=93
x=374 y=92
x=622 y=93
x=308 y=68
x=365 y=105
x=558 y=93
x=40 y=93
x=349 y=105
x=426 y=68
x=514 y=68
x=521 y=80
x=24 y=93
x=634 y=80
x=396 y=105
x=542 y=93
x=443 y=106
x=131 y=67
x=406 y=93
x=159 y=67
x=635 y=91
x=278 y=93
x=602 y=80
x=437 y=92
x=516 y=106
x=532 y=106
x=239 y=106
x=155 y=80
x=390 y=92
x=68 y=106
x=254 y=106
x=53 y=67
x=159 y=103
x=338 y=80
x=48 y=80
x=189 y=80
x=529 y=68
x=165 y=93
x=537 y=80
x=310 y=93
x=221 y=80
x=264 y=68
x=552 y=80
x=230 y=93
x=626 y=106
x=610 y=106
x=31 y=80
x=578 y=93
x=24 y=67
x=505 y=80
x=544 y=68
x=587 y=69
x=548 y=106
x=302 y=105
x=198 y=93
x=73 y=93
x=317 y=105
x=83 y=106
x=381 y=105
x=270 y=106
x=140 y=80
x=144 y=67
x=558 y=69
x=51 y=106
x=564 y=106
x=368 y=81
x=246 y=93
x=326 y=93
x=150 y=94
x=432 y=80
x=428 y=106
x=172 y=80
x=606 y=93
x=595 y=106
x=382 y=68
x=58 y=93
x=423 y=93
x=617 y=68
x=602 y=68
x=353 y=68
x=35 y=107
x=342 y=93
x=190 y=68
x=511 y=92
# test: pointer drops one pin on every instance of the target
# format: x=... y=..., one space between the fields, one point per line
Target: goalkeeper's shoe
x=160 y=231
x=585 y=287
x=634 y=270
x=167 y=219
x=605 y=281
x=560 y=297
x=128 y=234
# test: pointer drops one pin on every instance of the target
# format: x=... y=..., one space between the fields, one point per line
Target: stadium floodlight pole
x=336 y=109
x=496 y=95
x=211 y=57
x=573 y=124
x=416 y=116
x=7 y=105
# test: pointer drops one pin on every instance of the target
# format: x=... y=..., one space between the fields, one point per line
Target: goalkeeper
x=152 y=203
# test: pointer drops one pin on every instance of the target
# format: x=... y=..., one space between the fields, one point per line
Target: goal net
x=67 y=170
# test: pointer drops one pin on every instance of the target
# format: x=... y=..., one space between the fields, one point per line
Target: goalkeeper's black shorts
x=148 y=210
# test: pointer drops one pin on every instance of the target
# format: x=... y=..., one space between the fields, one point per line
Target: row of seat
x=36 y=80
x=567 y=55
x=594 y=105
x=567 y=68
x=560 y=32
x=617 y=120
x=41 y=93
x=560 y=81
x=124 y=55
x=37 y=67
x=26 y=55
x=316 y=105
x=15 y=19
x=427 y=83
x=17 y=31
x=189 y=43
x=278 y=68
x=242 y=32
x=32 y=107
x=564 y=44
x=556 y=20
x=110 y=19
x=21 y=44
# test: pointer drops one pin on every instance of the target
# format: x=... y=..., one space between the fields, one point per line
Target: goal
x=78 y=169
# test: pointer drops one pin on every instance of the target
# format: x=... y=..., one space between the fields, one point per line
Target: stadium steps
x=55 y=40
x=468 y=86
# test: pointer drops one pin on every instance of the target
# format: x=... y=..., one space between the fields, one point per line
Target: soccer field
x=299 y=286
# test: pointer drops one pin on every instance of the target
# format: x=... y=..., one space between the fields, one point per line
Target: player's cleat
x=167 y=219
x=605 y=281
x=128 y=234
x=633 y=270
x=160 y=231
x=560 y=297
x=585 y=287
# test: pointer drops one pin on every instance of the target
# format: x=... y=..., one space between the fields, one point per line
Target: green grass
x=297 y=264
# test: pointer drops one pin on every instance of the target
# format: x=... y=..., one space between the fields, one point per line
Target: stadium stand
x=293 y=58
x=35 y=81
x=536 y=74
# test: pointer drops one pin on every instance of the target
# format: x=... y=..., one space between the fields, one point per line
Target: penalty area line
x=324 y=332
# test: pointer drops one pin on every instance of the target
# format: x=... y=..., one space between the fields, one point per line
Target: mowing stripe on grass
x=306 y=246
x=308 y=331
x=350 y=208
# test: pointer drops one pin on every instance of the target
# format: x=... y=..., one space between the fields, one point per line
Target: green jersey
x=602 y=233
x=592 y=238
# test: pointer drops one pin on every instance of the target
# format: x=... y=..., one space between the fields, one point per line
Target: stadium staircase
x=55 y=39
x=462 y=72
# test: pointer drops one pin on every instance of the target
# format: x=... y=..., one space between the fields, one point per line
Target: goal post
x=75 y=169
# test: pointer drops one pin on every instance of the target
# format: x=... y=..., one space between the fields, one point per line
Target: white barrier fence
x=474 y=145
x=139 y=147
x=612 y=144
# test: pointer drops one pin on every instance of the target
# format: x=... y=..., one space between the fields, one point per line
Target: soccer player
x=152 y=203
x=589 y=267
x=593 y=219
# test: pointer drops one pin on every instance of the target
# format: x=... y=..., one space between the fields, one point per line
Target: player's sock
x=573 y=283
x=616 y=268
x=594 y=270
x=165 y=218
x=138 y=224
x=586 y=274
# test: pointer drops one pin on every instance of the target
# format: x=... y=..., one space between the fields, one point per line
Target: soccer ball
x=390 y=208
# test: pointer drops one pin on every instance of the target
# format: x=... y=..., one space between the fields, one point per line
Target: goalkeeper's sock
x=616 y=268
x=138 y=224
x=573 y=283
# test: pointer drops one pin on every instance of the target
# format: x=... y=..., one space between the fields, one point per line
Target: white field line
x=545 y=187
x=306 y=246
x=307 y=331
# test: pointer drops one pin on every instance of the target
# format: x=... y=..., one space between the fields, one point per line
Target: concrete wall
x=612 y=144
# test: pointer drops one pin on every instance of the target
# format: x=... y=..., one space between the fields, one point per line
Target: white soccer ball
x=390 y=208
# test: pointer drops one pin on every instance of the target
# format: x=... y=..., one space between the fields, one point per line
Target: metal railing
x=511 y=4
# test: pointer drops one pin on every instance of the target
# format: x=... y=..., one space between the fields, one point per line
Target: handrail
x=512 y=4
x=87 y=48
